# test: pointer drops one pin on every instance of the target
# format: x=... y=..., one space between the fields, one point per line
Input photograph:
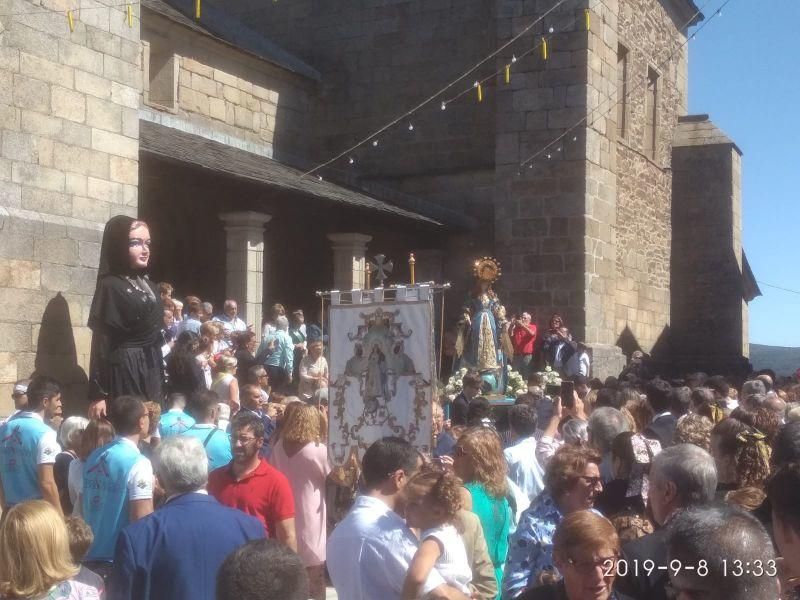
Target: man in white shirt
x=231 y=323
x=370 y=551
x=523 y=468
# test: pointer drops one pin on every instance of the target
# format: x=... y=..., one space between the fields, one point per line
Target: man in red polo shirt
x=523 y=340
x=250 y=484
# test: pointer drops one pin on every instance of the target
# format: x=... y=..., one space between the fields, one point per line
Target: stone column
x=244 y=280
x=348 y=259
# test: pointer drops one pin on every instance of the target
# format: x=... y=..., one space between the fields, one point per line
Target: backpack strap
x=208 y=437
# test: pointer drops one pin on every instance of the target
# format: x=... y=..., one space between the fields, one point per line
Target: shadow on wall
x=57 y=357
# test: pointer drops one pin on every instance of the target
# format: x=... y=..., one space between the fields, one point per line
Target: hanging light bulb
x=374 y=143
x=319 y=177
x=444 y=105
x=351 y=160
x=513 y=58
x=575 y=138
x=548 y=157
x=411 y=127
x=551 y=30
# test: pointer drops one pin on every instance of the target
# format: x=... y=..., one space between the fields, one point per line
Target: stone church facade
x=631 y=229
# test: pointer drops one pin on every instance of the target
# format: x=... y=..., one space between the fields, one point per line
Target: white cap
x=20 y=389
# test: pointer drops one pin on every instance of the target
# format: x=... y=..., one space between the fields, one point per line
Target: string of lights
x=371 y=138
x=528 y=161
x=777 y=287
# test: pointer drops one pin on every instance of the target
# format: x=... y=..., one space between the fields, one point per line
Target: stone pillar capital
x=348 y=259
x=245 y=219
x=350 y=240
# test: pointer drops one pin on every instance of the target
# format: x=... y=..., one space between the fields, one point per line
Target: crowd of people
x=642 y=489
x=633 y=487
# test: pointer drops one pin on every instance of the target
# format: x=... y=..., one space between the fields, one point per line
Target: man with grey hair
x=605 y=424
x=175 y=552
x=753 y=393
x=730 y=551
x=681 y=476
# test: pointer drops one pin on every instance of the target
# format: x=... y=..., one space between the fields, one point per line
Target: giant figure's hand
x=97 y=410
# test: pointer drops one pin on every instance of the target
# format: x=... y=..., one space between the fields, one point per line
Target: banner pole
x=441 y=337
x=322 y=333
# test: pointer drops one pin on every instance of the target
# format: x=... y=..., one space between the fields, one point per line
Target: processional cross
x=382 y=268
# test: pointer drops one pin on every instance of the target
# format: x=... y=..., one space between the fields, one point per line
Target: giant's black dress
x=125 y=319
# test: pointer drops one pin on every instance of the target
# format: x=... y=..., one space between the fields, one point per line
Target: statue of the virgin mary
x=482 y=343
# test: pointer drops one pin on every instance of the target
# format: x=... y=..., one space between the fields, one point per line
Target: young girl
x=432 y=501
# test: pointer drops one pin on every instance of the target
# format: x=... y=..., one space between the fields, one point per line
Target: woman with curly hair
x=742 y=456
x=636 y=409
x=432 y=501
x=302 y=456
x=478 y=460
x=572 y=482
x=694 y=429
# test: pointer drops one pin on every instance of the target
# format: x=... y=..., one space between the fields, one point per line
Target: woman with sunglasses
x=585 y=551
x=572 y=483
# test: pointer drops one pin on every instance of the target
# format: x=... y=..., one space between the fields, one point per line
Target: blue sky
x=744 y=71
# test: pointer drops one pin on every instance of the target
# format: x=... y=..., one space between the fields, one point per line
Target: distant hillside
x=784 y=361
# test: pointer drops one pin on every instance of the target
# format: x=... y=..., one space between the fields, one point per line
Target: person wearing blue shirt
x=280 y=362
x=176 y=552
x=117 y=482
x=28 y=448
x=175 y=421
x=205 y=408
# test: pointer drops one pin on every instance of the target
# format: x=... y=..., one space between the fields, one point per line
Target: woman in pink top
x=302 y=455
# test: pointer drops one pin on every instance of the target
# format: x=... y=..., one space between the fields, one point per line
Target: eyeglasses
x=136 y=242
x=591 y=481
x=242 y=440
x=586 y=567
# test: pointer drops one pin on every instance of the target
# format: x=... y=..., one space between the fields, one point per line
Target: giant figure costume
x=125 y=318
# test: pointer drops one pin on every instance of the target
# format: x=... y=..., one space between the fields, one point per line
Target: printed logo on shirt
x=101 y=467
x=13 y=438
x=48 y=451
x=141 y=484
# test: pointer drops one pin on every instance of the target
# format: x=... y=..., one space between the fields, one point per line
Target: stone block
x=76 y=134
x=15 y=244
x=115 y=144
x=68 y=104
x=21 y=305
x=243 y=117
x=225 y=78
x=18 y=146
x=130 y=122
x=10 y=194
x=131 y=52
x=204 y=85
x=31 y=94
x=37 y=176
x=89 y=254
x=9 y=60
x=80 y=57
x=107 y=191
x=90 y=209
x=16 y=337
x=102 y=114
x=92 y=85
x=46 y=70
x=31 y=41
x=119 y=71
x=232 y=94
x=197 y=67
x=8 y=368
x=9 y=118
x=124 y=170
x=81 y=160
x=216 y=108
x=527 y=228
x=6 y=87
x=20 y=274
x=544 y=263
x=61 y=251
x=48 y=202
x=104 y=42
x=65 y=278
x=75 y=184
x=125 y=95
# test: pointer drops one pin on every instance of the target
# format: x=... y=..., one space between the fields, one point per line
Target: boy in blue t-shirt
x=217 y=443
x=28 y=448
x=175 y=421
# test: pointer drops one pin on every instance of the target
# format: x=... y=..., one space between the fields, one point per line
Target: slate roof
x=698 y=130
x=176 y=145
x=225 y=28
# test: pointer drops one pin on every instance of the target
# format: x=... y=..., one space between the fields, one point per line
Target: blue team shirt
x=174 y=422
x=218 y=446
x=19 y=456
x=105 y=494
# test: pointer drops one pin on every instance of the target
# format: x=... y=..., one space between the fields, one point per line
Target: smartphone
x=567 y=394
x=552 y=390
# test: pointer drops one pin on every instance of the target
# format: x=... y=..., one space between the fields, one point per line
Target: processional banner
x=381 y=372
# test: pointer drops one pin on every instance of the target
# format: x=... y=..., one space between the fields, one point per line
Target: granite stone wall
x=69 y=153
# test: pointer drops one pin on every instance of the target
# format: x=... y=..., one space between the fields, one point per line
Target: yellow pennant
x=508 y=74
x=544 y=48
x=130 y=16
x=70 y=21
x=197 y=9
x=588 y=15
x=480 y=93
